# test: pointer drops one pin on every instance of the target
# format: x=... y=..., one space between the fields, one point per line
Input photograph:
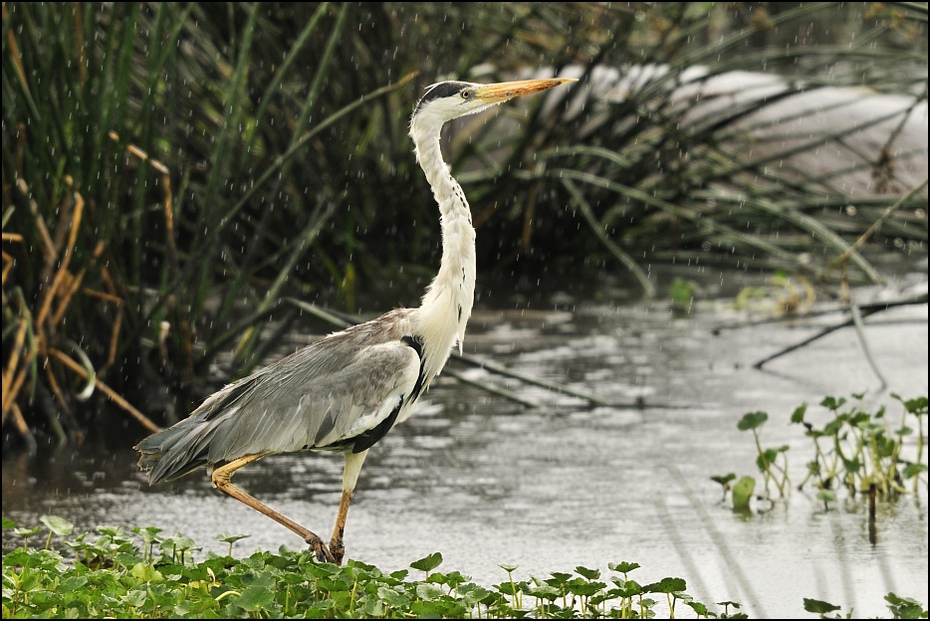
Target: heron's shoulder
x=334 y=352
x=393 y=325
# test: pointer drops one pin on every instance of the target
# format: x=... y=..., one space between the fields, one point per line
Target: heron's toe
x=322 y=553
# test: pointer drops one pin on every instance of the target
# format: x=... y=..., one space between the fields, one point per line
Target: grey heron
x=345 y=391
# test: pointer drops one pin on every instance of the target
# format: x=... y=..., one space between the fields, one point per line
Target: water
x=487 y=481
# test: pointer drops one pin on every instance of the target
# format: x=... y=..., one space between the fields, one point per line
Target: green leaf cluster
x=115 y=574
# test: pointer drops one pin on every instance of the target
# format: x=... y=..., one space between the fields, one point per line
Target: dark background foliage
x=173 y=173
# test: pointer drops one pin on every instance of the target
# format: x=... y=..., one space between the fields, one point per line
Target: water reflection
x=488 y=481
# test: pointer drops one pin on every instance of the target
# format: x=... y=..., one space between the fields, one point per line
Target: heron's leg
x=221 y=478
x=353 y=466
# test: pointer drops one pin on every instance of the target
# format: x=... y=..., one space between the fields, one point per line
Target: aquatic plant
x=865 y=453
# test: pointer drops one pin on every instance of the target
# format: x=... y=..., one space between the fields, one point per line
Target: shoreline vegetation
x=145 y=574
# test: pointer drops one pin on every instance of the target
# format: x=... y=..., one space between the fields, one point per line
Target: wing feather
x=302 y=410
x=319 y=397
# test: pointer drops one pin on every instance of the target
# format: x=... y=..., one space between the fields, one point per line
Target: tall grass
x=155 y=144
x=171 y=172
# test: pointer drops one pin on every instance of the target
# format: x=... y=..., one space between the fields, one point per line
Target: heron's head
x=445 y=101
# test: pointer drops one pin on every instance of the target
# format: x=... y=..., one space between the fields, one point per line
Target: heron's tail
x=174 y=452
x=185 y=446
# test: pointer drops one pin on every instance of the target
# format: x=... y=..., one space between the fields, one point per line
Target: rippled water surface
x=486 y=481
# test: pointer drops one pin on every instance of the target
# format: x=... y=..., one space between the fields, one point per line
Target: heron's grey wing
x=316 y=398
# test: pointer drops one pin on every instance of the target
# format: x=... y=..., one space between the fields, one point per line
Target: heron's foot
x=321 y=551
x=338 y=550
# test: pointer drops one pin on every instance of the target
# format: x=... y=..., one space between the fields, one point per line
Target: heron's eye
x=466 y=94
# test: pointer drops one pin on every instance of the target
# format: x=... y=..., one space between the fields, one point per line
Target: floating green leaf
x=742 y=492
x=666 y=585
x=819 y=607
x=57 y=525
x=590 y=574
x=752 y=420
x=428 y=563
x=255 y=598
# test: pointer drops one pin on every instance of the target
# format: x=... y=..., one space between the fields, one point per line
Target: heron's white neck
x=447 y=303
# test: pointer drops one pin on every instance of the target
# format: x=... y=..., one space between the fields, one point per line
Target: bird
x=344 y=392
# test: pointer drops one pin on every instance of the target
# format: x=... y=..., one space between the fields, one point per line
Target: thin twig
x=918 y=299
x=865 y=236
x=864 y=311
x=495 y=390
x=344 y=321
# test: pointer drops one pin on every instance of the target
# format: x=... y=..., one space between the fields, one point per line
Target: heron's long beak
x=503 y=91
